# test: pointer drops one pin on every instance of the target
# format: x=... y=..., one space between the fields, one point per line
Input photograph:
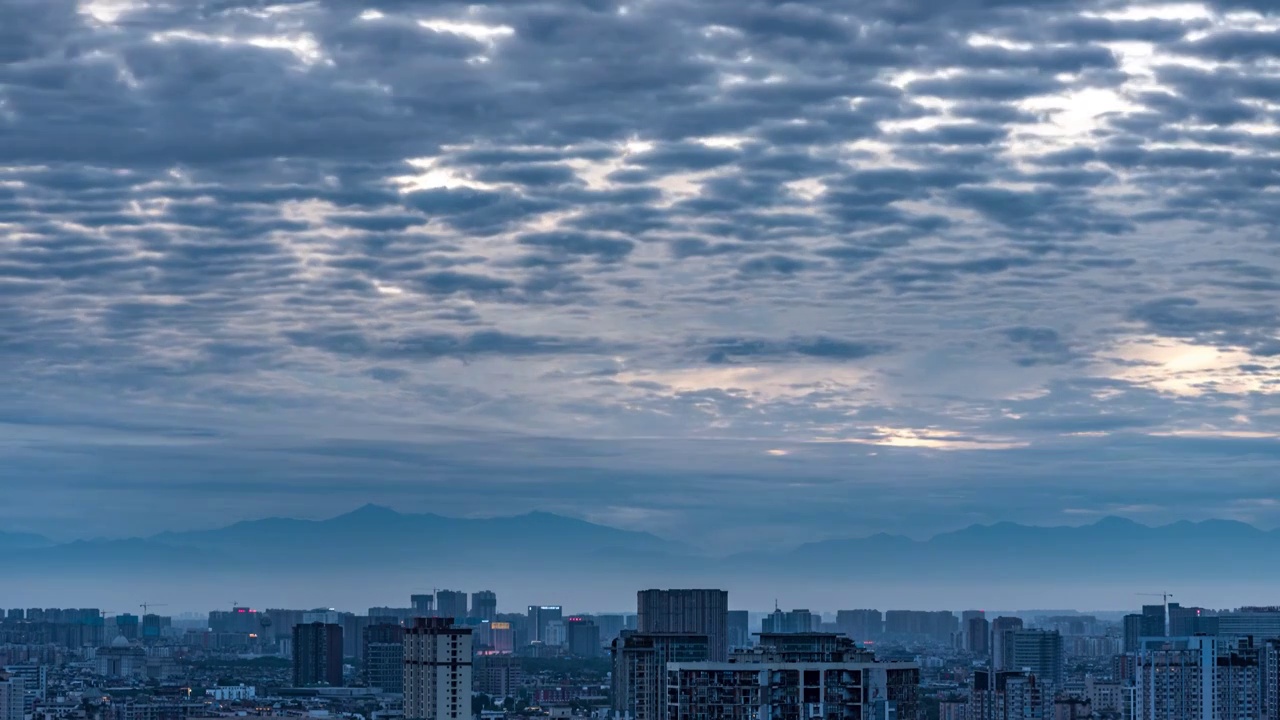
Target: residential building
x=808 y=676
x=1038 y=652
x=384 y=657
x=423 y=605
x=1132 y=627
x=796 y=621
x=1153 y=621
x=13 y=698
x=694 y=611
x=640 y=670
x=860 y=625
x=1000 y=629
x=978 y=636
x=1009 y=695
x=484 y=605
x=498 y=676
x=437 y=670
x=452 y=604
x=1197 y=678
x=317 y=654
x=739 y=629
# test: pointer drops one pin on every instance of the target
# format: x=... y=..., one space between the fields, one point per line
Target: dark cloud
x=562 y=225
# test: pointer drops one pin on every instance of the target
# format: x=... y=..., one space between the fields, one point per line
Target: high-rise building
x=860 y=625
x=1038 y=652
x=1188 y=621
x=153 y=626
x=796 y=621
x=1009 y=695
x=640 y=670
x=498 y=676
x=384 y=657
x=452 y=604
x=1153 y=621
x=1132 y=627
x=696 y=612
x=484 y=605
x=582 y=637
x=978 y=636
x=423 y=605
x=317 y=654
x=1269 y=654
x=939 y=625
x=437 y=670
x=809 y=675
x=965 y=617
x=539 y=616
x=128 y=625
x=739 y=629
x=1198 y=678
x=1259 y=622
x=1000 y=629
x=501 y=637
x=611 y=626
x=13 y=699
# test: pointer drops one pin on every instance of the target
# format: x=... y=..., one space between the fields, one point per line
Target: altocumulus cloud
x=498 y=251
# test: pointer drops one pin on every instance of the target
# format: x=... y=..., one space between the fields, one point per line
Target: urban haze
x=732 y=359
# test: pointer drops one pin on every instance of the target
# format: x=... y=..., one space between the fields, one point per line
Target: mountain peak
x=370 y=510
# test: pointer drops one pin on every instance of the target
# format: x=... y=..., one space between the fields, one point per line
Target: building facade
x=640 y=661
x=1198 y=678
x=811 y=676
x=697 y=612
x=384 y=657
x=437 y=670
x=317 y=654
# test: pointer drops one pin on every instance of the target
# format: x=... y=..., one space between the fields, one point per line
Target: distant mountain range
x=555 y=551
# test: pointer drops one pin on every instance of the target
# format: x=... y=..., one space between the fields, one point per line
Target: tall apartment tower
x=1001 y=627
x=978 y=636
x=484 y=605
x=317 y=654
x=1132 y=625
x=1038 y=652
x=384 y=657
x=1198 y=678
x=452 y=604
x=12 y=697
x=699 y=612
x=1153 y=621
x=423 y=605
x=437 y=670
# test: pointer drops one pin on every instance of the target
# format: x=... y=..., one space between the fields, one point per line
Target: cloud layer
x=692 y=266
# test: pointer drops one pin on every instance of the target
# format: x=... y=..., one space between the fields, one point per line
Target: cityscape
x=639 y=359
x=679 y=654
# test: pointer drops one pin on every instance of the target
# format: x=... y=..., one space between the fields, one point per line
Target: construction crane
x=1164 y=599
x=144 y=606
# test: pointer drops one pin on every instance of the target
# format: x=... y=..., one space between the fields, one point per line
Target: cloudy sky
x=737 y=271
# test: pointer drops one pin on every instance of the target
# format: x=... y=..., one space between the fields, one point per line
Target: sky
x=739 y=272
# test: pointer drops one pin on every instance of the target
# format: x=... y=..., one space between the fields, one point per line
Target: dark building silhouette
x=451 y=604
x=582 y=637
x=423 y=605
x=739 y=629
x=317 y=654
x=978 y=636
x=1153 y=621
x=484 y=605
x=1132 y=632
x=860 y=624
x=384 y=657
x=539 y=617
x=696 y=612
